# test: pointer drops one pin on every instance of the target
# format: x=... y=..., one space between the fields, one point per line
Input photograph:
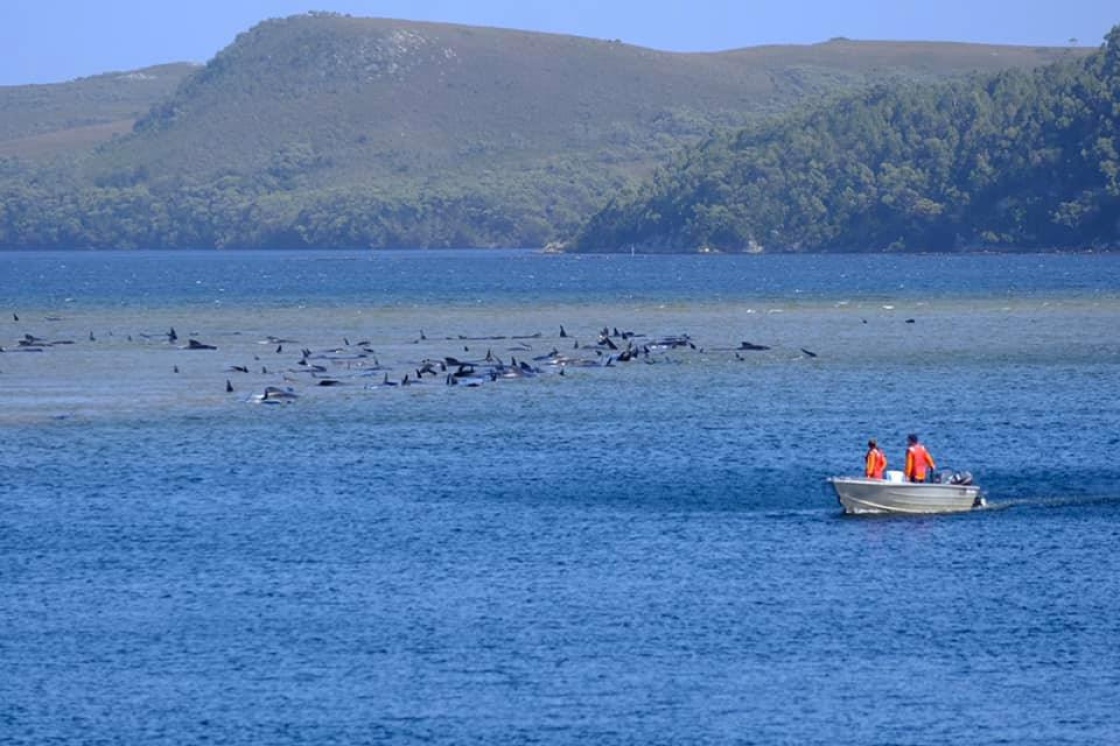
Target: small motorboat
x=951 y=492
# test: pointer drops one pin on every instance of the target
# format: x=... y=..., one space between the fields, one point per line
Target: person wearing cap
x=876 y=461
x=918 y=460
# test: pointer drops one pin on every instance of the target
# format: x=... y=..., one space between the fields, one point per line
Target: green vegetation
x=328 y=131
x=40 y=122
x=1022 y=159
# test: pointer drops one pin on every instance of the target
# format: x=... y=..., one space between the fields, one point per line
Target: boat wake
x=1069 y=501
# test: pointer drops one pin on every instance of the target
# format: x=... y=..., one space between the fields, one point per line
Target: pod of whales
x=334 y=365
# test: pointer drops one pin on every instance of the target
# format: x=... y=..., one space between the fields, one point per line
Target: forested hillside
x=1022 y=159
x=326 y=130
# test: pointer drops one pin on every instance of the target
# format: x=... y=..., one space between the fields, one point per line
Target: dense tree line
x=1021 y=159
x=55 y=212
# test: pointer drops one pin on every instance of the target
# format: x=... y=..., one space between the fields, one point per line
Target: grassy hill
x=342 y=99
x=38 y=121
x=324 y=128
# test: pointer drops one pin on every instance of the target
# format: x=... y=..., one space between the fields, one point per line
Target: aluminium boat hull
x=860 y=495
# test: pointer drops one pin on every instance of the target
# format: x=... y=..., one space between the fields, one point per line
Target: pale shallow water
x=644 y=552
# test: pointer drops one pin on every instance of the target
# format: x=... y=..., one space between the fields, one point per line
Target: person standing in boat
x=918 y=460
x=876 y=461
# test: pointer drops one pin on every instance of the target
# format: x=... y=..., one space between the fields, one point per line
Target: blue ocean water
x=632 y=552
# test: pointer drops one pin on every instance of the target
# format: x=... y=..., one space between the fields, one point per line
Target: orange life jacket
x=917 y=460
x=876 y=463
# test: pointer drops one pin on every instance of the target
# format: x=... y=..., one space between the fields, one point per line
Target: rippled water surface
x=585 y=550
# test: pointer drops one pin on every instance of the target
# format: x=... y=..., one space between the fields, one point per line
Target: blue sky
x=43 y=41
